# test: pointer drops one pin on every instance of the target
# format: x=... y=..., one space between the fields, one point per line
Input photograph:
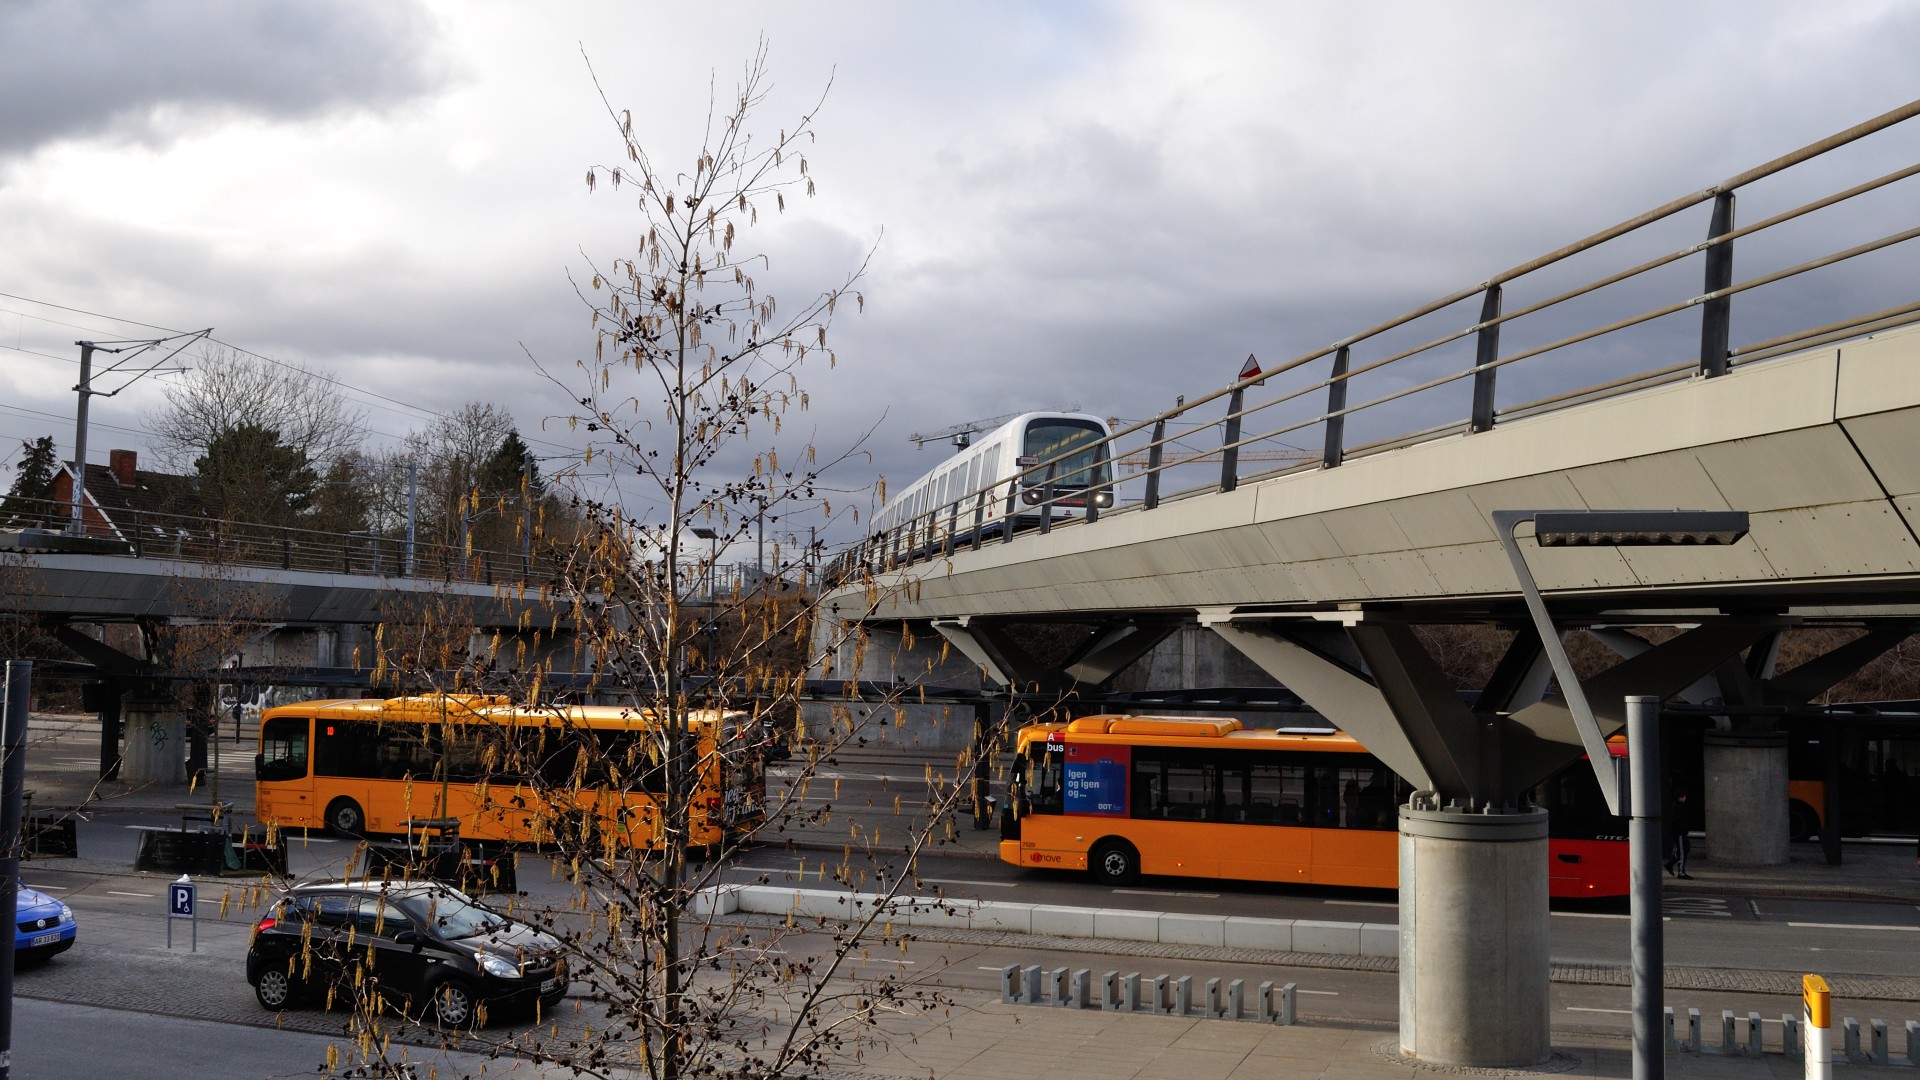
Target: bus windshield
x=1082 y=439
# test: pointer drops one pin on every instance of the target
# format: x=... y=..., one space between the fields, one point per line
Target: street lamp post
x=713 y=555
x=1621 y=528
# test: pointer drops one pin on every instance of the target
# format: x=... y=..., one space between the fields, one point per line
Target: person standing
x=1678 y=822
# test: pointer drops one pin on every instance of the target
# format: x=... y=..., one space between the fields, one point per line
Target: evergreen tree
x=247 y=474
x=32 y=484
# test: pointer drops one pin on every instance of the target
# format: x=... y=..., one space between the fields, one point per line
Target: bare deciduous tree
x=229 y=388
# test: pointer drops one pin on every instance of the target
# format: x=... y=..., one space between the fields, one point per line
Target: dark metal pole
x=78 y=525
x=1644 y=851
x=1153 y=464
x=1830 y=822
x=1487 y=351
x=13 y=782
x=1230 y=441
x=1716 y=316
x=111 y=693
x=1336 y=410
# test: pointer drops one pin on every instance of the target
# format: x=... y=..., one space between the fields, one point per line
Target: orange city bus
x=508 y=773
x=1121 y=796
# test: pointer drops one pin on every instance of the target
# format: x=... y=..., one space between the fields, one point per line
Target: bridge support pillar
x=1746 y=796
x=156 y=741
x=1474 y=977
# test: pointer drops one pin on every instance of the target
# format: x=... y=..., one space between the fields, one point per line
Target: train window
x=1081 y=440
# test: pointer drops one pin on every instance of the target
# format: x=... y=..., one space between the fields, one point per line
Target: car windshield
x=452 y=914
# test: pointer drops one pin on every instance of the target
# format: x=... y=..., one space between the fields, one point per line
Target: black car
x=426 y=949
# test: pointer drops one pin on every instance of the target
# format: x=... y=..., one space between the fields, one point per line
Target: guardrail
x=1382 y=388
x=148 y=534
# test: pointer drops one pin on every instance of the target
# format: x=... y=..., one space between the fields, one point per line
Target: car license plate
x=550 y=984
x=43 y=939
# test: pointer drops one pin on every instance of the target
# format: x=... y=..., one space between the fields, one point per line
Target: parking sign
x=180 y=899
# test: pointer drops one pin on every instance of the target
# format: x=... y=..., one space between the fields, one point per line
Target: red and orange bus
x=505 y=773
x=1122 y=796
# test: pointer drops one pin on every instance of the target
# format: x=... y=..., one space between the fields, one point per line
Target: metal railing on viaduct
x=1541 y=334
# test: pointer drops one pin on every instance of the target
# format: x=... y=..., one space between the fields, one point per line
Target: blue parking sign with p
x=180 y=899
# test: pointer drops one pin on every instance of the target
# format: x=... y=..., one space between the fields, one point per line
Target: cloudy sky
x=1108 y=204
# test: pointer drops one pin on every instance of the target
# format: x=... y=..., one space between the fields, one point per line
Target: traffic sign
x=180 y=899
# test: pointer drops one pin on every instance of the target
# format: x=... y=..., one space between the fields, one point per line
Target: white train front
x=997 y=482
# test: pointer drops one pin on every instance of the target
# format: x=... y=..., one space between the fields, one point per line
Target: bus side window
x=1049 y=794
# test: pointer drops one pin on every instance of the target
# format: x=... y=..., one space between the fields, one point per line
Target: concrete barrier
x=1113 y=924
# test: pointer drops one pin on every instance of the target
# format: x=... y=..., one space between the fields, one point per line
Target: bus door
x=1261 y=803
x=283 y=781
x=743 y=774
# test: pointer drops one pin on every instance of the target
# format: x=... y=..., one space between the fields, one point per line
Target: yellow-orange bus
x=505 y=773
x=1122 y=796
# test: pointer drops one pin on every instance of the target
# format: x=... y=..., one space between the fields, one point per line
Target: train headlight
x=1103 y=498
x=1031 y=495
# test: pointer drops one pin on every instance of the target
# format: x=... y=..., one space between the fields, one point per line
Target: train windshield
x=1083 y=440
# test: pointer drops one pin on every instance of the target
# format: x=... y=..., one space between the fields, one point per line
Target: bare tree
x=689 y=396
x=229 y=389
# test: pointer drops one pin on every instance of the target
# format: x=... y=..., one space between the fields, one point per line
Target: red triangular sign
x=1251 y=369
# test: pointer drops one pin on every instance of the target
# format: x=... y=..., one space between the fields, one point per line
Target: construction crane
x=962 y=434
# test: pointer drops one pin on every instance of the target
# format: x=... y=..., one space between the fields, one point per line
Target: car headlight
x=498 y=966
x=66 y=913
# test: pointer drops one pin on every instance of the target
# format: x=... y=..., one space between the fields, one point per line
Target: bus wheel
x=344 y=816
x=1802 y=822
x=1114 y=862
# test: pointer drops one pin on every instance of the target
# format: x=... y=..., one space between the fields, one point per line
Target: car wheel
x=275 y=990
x=344 y=816
x=1114 y=862
x=454 y=1005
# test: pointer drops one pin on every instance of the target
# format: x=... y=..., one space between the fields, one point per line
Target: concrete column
x=156 y=746
x=1746 y=798
x=1473 y=937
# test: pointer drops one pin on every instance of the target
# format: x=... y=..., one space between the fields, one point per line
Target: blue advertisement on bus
x=1096 y=780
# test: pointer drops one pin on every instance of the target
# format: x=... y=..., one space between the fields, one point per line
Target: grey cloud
x=80 y=68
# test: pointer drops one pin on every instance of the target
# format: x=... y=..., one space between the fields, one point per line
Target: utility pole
x=413 y=508
x=77 y=525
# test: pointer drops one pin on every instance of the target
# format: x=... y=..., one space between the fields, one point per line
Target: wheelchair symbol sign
x=180 y=900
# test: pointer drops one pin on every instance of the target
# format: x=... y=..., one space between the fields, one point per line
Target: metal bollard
x=1214 y=1008
x=1790 y=1043
x=1666 y=1022
x=1082 y=996
x=1032 y=974
x=1288 y=1015
x=1159 y=994
x=1183 y=996
x=1010 y=983
x=1130 y=992
x=1727 y=1045
x=1057 y=985
x=1693 y=1030
x=1913 y=1043
x=1852 y=1028
x=1237 y=999
x=1266 y=1001
x=1817 y=1000
x=1877 y=1053
x=1110 y=991
x=1756 y=1044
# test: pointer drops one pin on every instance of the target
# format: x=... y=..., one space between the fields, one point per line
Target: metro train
x=978 y=485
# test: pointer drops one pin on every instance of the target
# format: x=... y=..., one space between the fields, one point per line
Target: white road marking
x=49 y=888
x=141 y=895
x=884 y=960
x=964 y=881
x=1157 y=892
x=1360 y=903
x=1847 y=926
x=1319 y=993
x=1621 y=1012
